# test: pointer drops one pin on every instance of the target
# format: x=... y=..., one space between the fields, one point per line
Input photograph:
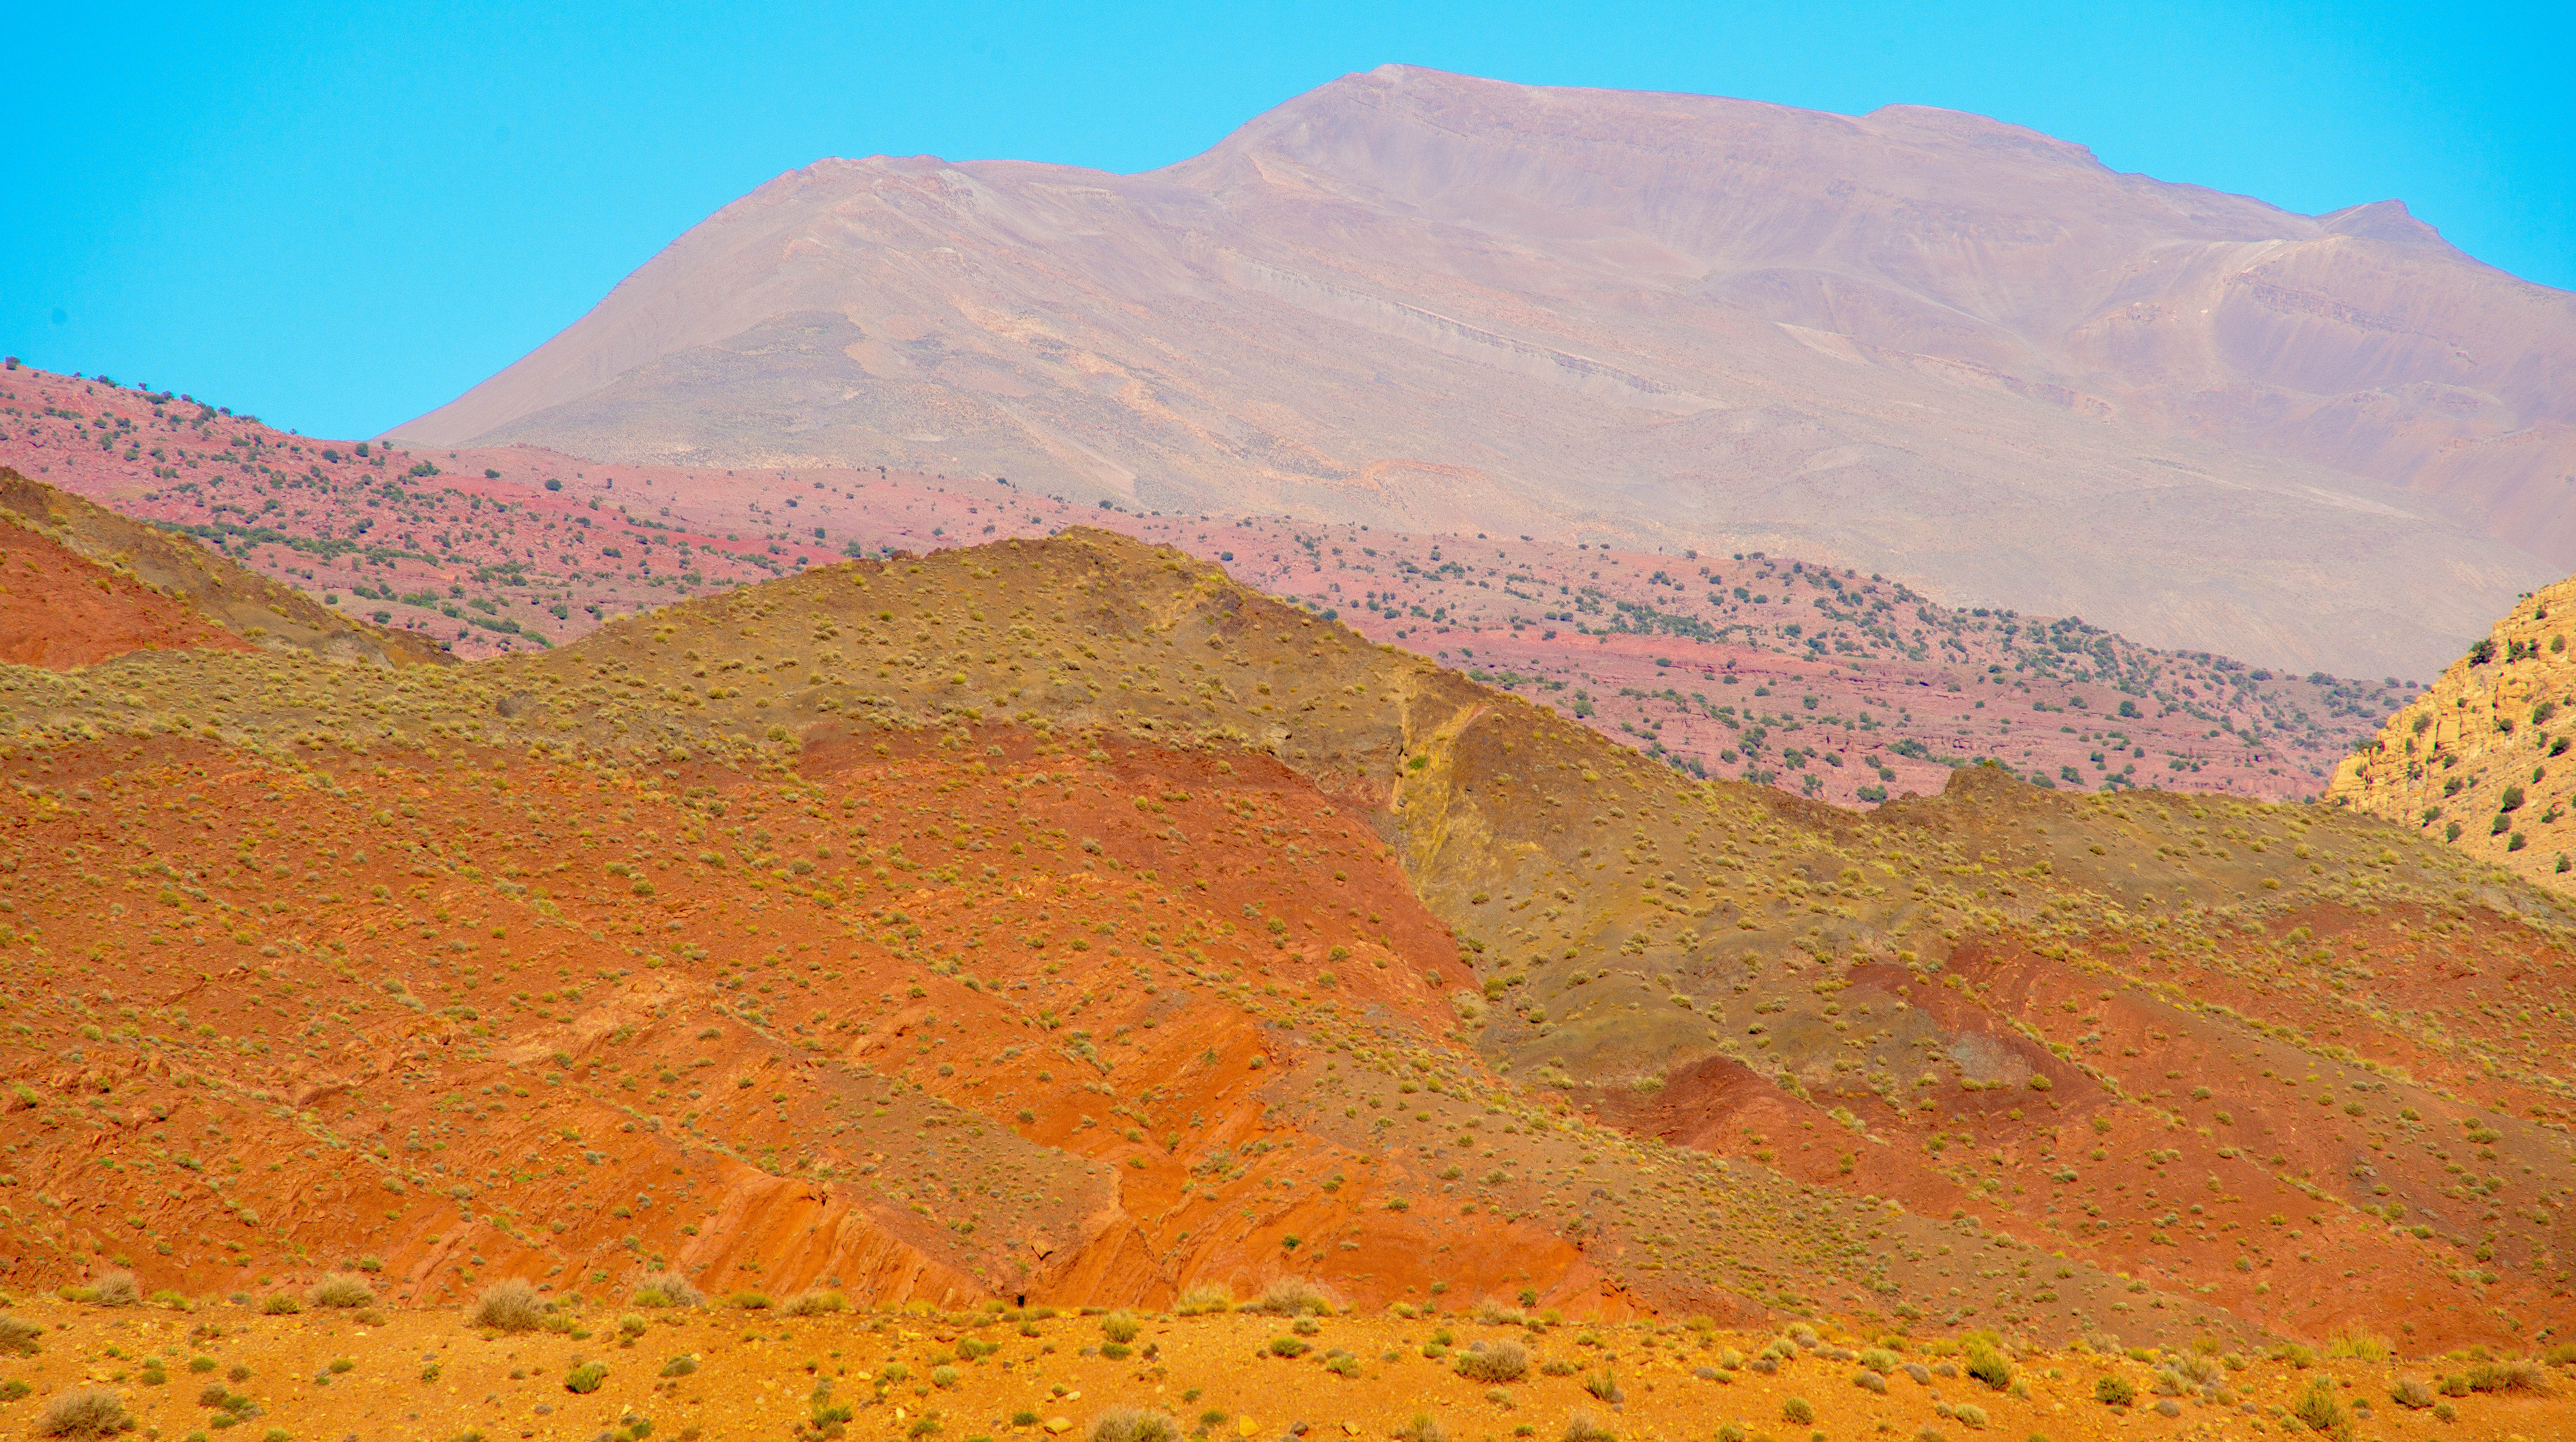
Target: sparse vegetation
x=510 y=1306
x=86 y=1412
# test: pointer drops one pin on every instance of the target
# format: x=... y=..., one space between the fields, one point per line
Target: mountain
x=1835 y=685
x=1057 y=918
x=1917 y=343
x=2479 y=756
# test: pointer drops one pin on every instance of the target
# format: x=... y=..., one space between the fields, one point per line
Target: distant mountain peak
x=1933 y=344
x=2382 y=220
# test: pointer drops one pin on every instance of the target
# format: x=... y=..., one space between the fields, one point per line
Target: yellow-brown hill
x=2481 y=757
x=1059 y=918
x=111 y=584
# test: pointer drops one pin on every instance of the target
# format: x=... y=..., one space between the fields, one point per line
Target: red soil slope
x=1075 y=1064
x=62 y=610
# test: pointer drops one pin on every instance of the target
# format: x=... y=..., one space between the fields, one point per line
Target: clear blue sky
x=339 y=217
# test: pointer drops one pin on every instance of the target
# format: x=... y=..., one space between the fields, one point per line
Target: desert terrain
x=737 y=1371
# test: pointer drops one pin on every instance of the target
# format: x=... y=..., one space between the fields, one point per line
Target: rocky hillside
x=1774 y=669
x=2480 y=758
x=1059 y=918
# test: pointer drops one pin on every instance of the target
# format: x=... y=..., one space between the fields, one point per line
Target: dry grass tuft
x=511 y=1306
x=668 y=1289
x=1135 y=1424
x=342 y=1289
x=89 y=1412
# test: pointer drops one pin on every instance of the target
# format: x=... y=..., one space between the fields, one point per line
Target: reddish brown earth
x=373 y=1021
x=750 y=939
x=60 y=609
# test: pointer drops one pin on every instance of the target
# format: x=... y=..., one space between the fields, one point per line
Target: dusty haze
x=1917 y=342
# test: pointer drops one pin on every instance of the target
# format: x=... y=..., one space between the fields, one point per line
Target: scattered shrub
x=812 y=1303
x=586 y=1377
x=1584 y=1427
x=679 y=1366
x=19 y=1339
x=89 y=1412
x=341 y=1289
x=281 y=1304
x=1203 y=1299
x=1498 y=1362
x=1798 y=1410
x=1987 y=1364
x=115 y=1289
x=1295 y=1297
x=668 y=1289
x=748 y=1301
x=2319 y=1408
x=2114 y=1391
x=1423 y=1428
x=1969 y=1415
x=1134 y=1424
x=1119 y=1327
x=510 y=1306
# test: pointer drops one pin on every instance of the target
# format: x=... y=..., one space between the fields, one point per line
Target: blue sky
x=338 y=217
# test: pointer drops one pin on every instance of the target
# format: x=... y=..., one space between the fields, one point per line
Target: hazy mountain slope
x=1918 y=343
x=1079 y=828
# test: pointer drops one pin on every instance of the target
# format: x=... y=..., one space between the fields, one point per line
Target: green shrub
x=2319 y=1408
x=1987 y=1364
x=680 y=1366
x=2114 y=1391
x=115 y=1289
x=19 y=1339
x=1969 y=1415
x=1288 y=1347
x=1119 y=1327
x=586 y=1377
x=748 y=1301
x=1798 y=1410
x=813 y=1304
x=281 y=1304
